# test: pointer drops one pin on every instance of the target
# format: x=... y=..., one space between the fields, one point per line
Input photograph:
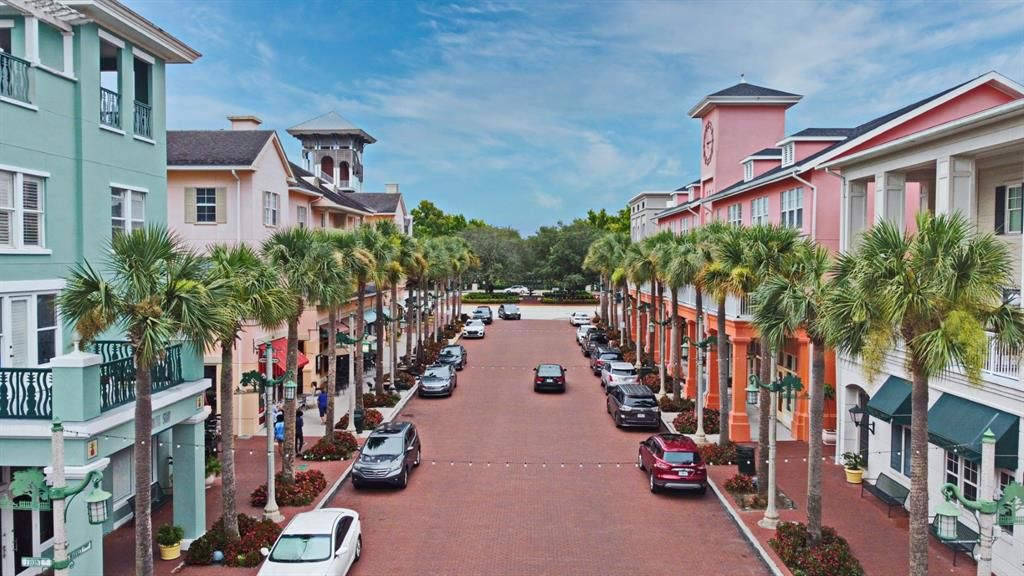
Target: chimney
x=245 y=122
x=391 y=188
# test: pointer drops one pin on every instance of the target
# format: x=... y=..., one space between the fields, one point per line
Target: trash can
x=358 y=422
x=747 y=464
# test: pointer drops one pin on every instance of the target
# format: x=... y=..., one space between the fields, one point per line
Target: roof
x=676 y=441
x=636 y=390
x=215 y=147
x=822 y=133
x=132 y=26
x=399 y=427
x=746 y=89
x=765 y=153
x=330 y=123
x=745 y=93
x=340 y=198
x=380 y=202
x=316 y=521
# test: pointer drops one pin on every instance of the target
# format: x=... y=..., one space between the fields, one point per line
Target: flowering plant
x=255 y=534
x=686 y=421
x=387 y=399
x=301 y=492
x=668 y=405
x=372 y=419
x=339 y=446
x=831 y=557
x=342 y=422
x=715 y=454
x=740 y=483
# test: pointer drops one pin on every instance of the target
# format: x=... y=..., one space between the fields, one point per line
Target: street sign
x=80 y=550
x=36 y=562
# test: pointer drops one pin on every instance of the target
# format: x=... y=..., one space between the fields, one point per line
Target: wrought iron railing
x=110 y=108
x=26 y=393
x=14 y=77
x=112 y=349
x=143 y=119
x=117 y=374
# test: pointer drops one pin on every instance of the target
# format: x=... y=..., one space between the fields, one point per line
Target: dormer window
x=748 y=170
x=788 y=153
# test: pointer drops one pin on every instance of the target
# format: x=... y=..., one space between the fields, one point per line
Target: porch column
x=691 y=362
x=890 y=197
x=954 y=186
x=739 y=422
x=79 y=530
x=801 y=423
x=189 y=475
x=712 y=382
x=855 y=216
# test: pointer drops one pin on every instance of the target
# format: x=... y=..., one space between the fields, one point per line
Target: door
x=15 y=352
x=344 y=546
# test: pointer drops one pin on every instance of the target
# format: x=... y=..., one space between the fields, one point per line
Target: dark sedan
x=454 y=355
x=438 y=380
x=549 y=377
x=509 y=312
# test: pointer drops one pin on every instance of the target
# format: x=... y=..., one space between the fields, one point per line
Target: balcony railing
x=110 y=108
x=117 y=375
x=143 y=120
x=14 y=77
x=327 y=178
x=1002 y=359
x=26 y=393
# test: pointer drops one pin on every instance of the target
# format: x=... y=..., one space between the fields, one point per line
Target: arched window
x=343 y=171
x=327 y=166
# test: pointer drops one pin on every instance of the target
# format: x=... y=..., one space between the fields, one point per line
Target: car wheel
x=703 y=490
x=618 y=422
x=359 y=548
x=654 y=487
x=419 y=452
x=356 y=484
x=404 y=480
x=639 y=461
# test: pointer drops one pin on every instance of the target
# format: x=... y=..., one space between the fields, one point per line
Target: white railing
x=327 y=178
x=1003 y=359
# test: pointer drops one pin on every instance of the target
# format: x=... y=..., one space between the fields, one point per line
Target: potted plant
x=212 y=469
x=828 y=435
x=853 y=462
x=169 y=538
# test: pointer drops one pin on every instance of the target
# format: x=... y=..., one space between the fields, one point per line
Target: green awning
x=956 y=423
x=892 y=401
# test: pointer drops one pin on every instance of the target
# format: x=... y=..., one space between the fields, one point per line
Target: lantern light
x=96 y=502
x=289 y=390
x=946 y=517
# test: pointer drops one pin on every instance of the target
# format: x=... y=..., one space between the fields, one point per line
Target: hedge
x=485 y=298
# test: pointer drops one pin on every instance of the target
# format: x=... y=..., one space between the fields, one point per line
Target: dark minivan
x=391 y=451
x=634 y=405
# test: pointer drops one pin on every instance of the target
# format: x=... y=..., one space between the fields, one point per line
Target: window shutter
x=1000 y=226
x=190 y=205
x=6 y=208
x=222 y=205
x=32 y=217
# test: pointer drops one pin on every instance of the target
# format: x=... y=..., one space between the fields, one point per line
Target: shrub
x=387 y=400
x=404 y=381
x=169 y=535
x=831 y=557
x=485 y=298
x=652 y=381
x=668 y=405
x=342 y=422
x=301 y=492
x=715 y=454
x=740 y=483
x=372 y=418
x=200 y=553
x=255 y=534
x=686 y=422
x=628 y=355
x=337 y=447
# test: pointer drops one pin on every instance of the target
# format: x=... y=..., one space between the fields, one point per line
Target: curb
x=333 y=490
x=765 y=557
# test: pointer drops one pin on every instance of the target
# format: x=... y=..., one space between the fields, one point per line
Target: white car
x=518 y=289
x=582 y=332
x=323 y=542
x=473 y=329
x=617 y=373
x=579 y=318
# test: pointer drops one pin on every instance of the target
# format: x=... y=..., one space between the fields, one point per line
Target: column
x=711 y=361
x=76 y=380
x=79 y=530
x=691 y=362
x=855 y=218
x=889 y=197
x=739 y=422
x=189 y=476
x=801 y=423
x=954 y=186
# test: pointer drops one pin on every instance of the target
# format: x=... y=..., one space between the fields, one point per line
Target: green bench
x=889 y=491
x=965 y=541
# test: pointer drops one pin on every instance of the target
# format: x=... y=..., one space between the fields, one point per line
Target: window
x=793 y=208
x=110 y=81
x=46 y=328
x=736 y=214
x=748 y=170
x=127 y=209
x=899 y=449
x=788 y=154
x=28 y=329
x=21 y=210
x=962 y=473
x=323 y=219
x=5 y=37
x=206 y=205
x=759 y=211
x=302 y=216
x=686 y=224
x=271 y=208
x=1014 y=208
x=1004 y=478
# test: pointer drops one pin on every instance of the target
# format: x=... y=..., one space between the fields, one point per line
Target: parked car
x=579 y=318
x=438 y=380
x=484 y=313
x=617 y=373
x=549 y=377
x=509 y=312
x=454 y=355
x=601 y=355
x=633 y=405
x=391 y=451
x=672 y=461
x=582 y=331
x=517 y=289
x=324 y=542
x=473 y=329
x=594 y=339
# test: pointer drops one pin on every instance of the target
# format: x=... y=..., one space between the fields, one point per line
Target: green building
x=83 y=156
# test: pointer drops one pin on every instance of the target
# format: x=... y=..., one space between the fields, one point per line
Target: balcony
x=325 y=177
x=26 y=393
x=14 y=77
x=110 y=108
x=1002 y=359
x=143 y=120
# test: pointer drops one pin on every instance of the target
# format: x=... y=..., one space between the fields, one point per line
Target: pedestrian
x=279 y=430
x=321 y=403
x=300 y=440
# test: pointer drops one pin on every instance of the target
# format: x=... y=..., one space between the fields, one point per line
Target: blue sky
x=526 y=113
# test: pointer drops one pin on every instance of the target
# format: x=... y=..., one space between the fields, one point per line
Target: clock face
x=709 y=142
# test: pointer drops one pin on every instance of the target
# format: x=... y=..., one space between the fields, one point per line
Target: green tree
x=679 y=269
x=616 y=223
x=378 y=242
x=155 y=290
x=432 y=222
x=499 y=251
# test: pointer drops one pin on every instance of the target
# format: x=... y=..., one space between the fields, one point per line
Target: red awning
x=280 y=348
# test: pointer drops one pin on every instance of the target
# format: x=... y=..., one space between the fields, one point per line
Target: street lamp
x=289 y=390
x=788 y=384
x=858 y=414
x=270 y=510
x=702 y=348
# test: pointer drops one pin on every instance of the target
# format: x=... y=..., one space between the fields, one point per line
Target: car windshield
x=383 y=446
x=610 y=356
x=624 y=371
x=302 y=548
x=511 y=308
x=435 y=375
x=453 y=351
x=549 y=370
x=681 y=457
x=641 y=402
x=474 y=323
x=599 y=338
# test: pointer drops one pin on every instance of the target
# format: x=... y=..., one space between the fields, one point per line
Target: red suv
x=672 y=461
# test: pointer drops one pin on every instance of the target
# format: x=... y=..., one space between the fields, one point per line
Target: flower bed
x=255 y=534
x=831 y=557
x=740 y=484
x=404 y=381
x=337 y=447
x=668 y=405
x=372 y=418
x=301 y=492
x=714 y=454
x=686 y=421
x=342 y=422
x=652 y=381
x=385 y=400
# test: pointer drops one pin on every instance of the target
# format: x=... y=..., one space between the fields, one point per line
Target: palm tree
x=935 y=293
x=767 y=245
x=155 y=290
x=252 y=295
x=414 y=266
x=639 y=269
x=679 y=269
x=663 y=238
x=303 y=261
x=377 y=241
x=787 y=302
x=604 y=257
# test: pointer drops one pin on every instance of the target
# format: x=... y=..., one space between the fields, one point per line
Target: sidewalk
x=881 y=544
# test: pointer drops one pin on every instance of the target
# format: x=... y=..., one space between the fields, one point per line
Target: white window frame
x=963 y=473
x=788 y=153
x=130 y=216
x=213 y=203
x=302 y=216
x=791 y=211
x=1007 y=219
x=735 y=214
x=759 y=211
x=905 y=463
x=18 y=211
x=32 y=328
x=685 y=224
x=271 y=209
x=748 y=170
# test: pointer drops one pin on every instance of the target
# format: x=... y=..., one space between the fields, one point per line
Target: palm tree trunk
x=332 y=366
x=291 y=372
x=409 y=321
x=357 y=347
x=814 y=444
x=639 y=330
x=660 y=315
x=143 y=473
x=379 y=348
x=624 y=289
x=229 y=508
x=395 y=331
x=677 y=364
x=918 y=471
x=723 y=377
x=764 y=402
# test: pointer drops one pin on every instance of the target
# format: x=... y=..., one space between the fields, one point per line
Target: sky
x=528 y=113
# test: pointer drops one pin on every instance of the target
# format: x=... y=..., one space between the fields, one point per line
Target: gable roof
x=330 y=123
x=823 y=133
x=380 y=202
x=746 y=89
x=302 y=179
x=215 y=147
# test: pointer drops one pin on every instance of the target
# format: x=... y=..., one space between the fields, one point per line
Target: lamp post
x=788 y=384
x=661 y=347
x=702 y=347
x=270 y=510
x=353 y=387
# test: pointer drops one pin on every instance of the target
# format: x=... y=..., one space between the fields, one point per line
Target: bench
x=889 y=491
x=157 y=499
x=965 y=541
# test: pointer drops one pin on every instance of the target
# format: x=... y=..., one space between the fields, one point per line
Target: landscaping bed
x=254 y=534
x=306 y=487
x=831 y=557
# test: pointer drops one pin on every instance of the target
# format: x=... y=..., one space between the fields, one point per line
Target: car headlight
x=395 y=466
x=626 y=408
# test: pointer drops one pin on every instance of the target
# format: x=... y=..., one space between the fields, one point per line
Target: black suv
x=509 y=312
x=594 y=339
x=484 y=313
x=391 y=451
x=634 y=405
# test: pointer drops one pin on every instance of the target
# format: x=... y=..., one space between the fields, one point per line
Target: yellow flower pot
x=170 y=552
x=854 y=476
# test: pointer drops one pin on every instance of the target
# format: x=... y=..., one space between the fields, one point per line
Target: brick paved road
x=496 y=520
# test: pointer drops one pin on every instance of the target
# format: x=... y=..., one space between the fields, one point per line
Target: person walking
x=321 y=404
x=279 y=430
x=300 y=440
